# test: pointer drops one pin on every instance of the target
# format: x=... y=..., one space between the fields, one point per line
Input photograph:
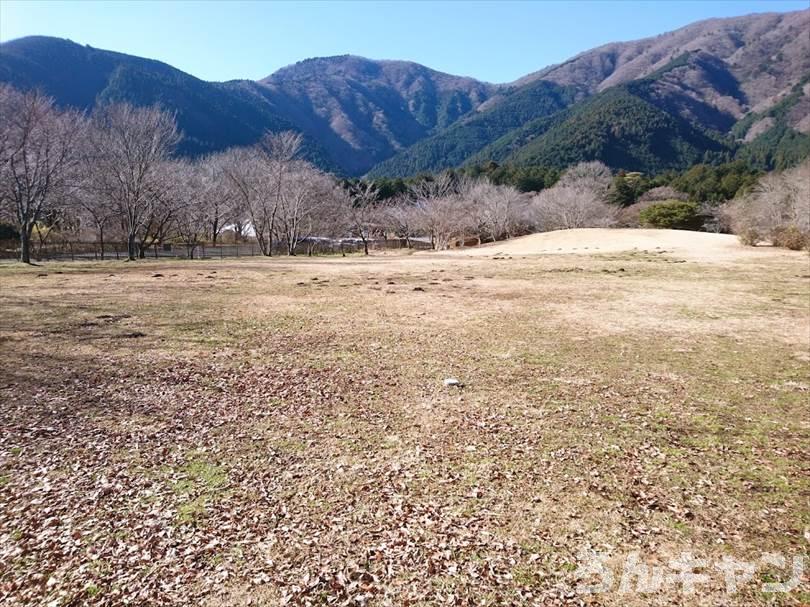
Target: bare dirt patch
x=680 y=244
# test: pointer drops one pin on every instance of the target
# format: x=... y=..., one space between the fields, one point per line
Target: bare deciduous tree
x=245 y=172
x=259 y=176
x=441 y=208
x=577 y=200
x=129 y=146
x=662 y=193
x=304 y=194
x=777 y=209
x=437 y=187
x=95 y=211
x=217 y=195
x=497 y=210
x=191 y=210
x=564 y=208
x=594 y=176
x=37 y=158
x=400 y=215
x=361 y=211
x=445 y=219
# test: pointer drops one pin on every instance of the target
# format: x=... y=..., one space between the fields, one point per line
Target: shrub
x=672 y=214
x=778 y=209
x=749 y=237
x=791 y=238
x=629 y=217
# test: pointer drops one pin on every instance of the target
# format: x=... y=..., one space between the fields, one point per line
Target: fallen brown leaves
x=282 y=445
x=100 y=481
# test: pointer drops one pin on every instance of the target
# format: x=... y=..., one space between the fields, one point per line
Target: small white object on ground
x=451 y=381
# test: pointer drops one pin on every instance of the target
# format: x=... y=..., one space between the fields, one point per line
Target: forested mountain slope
x=354 y=111
x=210 y=116
x=703 y=78
x=713 y=90
x=365 y=111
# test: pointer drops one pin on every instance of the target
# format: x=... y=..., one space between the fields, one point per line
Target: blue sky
x=493 y=41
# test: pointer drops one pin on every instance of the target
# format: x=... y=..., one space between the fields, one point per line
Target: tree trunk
x=365 y=246
x=25 y=243
x=131 y=250
x=265 y=248
x=101 y=241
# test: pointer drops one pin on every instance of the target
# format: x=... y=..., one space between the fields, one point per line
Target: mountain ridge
x=705 y=90
x=397 y=118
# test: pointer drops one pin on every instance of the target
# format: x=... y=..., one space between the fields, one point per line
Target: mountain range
x=712 y=91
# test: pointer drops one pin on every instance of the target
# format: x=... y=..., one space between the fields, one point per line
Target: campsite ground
x=261 y=431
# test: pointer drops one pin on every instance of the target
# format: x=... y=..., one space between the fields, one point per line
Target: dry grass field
x=267 y=432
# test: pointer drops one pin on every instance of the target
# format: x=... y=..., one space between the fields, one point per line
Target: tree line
x=114 y=173
x=712 y=183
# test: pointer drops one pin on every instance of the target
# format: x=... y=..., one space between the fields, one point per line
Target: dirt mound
x=690 y=245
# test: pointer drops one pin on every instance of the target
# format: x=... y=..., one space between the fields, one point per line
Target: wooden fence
x=84 y=251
